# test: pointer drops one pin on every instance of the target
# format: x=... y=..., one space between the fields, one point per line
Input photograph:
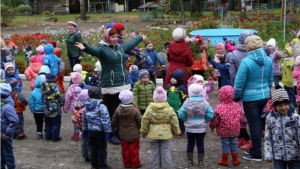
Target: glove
x=4 y=137
x=209 y=58
x=237 y=99
x=164 y=67
x=85 y=134
x=224 y=39
x=210 y=79
x=107 y=135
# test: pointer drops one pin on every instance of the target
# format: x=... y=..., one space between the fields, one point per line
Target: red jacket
x=228 y=114
x=200 y=64
x=179 y=57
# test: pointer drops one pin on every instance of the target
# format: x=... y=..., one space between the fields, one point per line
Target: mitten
x=224 y=39
x=209 y=58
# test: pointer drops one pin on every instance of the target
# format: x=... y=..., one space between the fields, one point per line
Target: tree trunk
x=82 y=10
x=182 y=12
x=192 y=7
x=243 y=10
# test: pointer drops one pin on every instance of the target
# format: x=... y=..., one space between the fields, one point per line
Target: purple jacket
x=71 y=97
x=133 y=51
x=275 y=56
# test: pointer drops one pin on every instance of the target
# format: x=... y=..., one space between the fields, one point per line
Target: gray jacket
x=235 y=59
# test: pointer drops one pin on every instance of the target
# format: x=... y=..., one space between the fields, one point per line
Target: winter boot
x=247 y=145
x=200 y=160
x=235 y=159
x=190 y=159
x=224 y=160
x=240 y=142
x=21 y=136
x=75 y=136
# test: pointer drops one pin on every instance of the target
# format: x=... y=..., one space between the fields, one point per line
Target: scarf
x=106 y=36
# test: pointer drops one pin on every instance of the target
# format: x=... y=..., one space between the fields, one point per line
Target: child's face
x=286 y=54
x=219 y=51
x=200 y=82
x=150 y=47
x=282 y=108
x=10 y=71
x=145 y=79
x=173 y=81
x=43 y=44
x=24 y=50
x=271 y=47
x=6 y=40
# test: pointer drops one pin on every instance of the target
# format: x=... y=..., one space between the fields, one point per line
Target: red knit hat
x=118 y=27
x=57 y=52
x=52 y=43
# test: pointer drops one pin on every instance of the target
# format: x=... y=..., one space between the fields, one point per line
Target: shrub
x=6 y=15
x=23 y=8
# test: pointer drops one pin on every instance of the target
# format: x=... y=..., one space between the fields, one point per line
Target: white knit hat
x=195 y=90
x=98 y=67
x=297 y=61
x=77 y=68
x=72 y=23
x=271 y=42
x=198 y=78
x=179 y=34
x=126 y=97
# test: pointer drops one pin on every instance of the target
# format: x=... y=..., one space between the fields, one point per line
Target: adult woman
x=113 y=62
x=179 y=56
x=74 y=54
x=252 y=84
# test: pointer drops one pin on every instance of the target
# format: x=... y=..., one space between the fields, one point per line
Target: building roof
x=151 y=5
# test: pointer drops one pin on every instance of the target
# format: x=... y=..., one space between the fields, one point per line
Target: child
x=149 y=51
x=85 y=78
x=230 y=45
x=10 y=43
x=20 y=106
x=198 y=79
x=196 y=113
x=177 y=94
x=10 y=73
x=145 y=62
x=282 y=133
x=244 y=141
x=228 y=116
x=61 y=70
x=9 y=122
x=41 y=79
x=287 y=78
x=32 y=71
x=275 y=56
x=296 y=75
x=37 y=108
x=28 y=53
x=96 y=123
x=71 y=97
x=164 y=57
x=159 y=123
x=128 y=118
x=51 y=60
x=41 y=54
x=143 y=91
x=53 y=101
x=223 y=68
x=2 y=76
x=220 y=54
x=95 y=80
x=43 y=42
x=7 y=57
x=133 y=75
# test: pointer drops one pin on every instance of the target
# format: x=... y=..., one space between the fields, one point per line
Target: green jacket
x=175 y=98
x=72 y=50
x=113 y=62
x=287 y=70
x=143 y=94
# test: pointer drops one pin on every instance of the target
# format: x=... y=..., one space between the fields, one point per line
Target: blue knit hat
x=51 y=78
x=14 y=84
x=5 y=90
x=143 y=72
x=133 y=69
x=27 y=48
x=110 y=25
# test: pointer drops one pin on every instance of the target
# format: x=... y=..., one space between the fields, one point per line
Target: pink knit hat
x=40 y=48
x=195 y=90
x=76 y=77
x=159 y=95
x=34 y=59
x=126 y=97
x=83 y=95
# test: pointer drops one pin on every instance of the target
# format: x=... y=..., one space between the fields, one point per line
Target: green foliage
x=12 y=3
x=23 y=8
x=6 y=15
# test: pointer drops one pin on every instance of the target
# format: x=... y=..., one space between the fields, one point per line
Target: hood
x=160 y=110
x=91 y=104
x=35 y=67
x=44 y=69
x=49 y=49
x=178 y=74
x=75 y=89
x=125 y=111
x=226 y=94
x=241 y=47
x=9 y=101
x=178 y=47
x=290 y=51
x=134 y=76
x=259 y=56
x=243 y=36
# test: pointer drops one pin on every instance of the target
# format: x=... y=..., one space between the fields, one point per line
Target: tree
x=182 y=12
x=192 y=7
x=82 y=10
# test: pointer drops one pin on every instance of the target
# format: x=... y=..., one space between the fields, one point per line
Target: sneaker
x=252 y=157
x=87 y=160
x=181 y=134
x=39 y=135
x=114 y=140
x=248 y=151
x=59 y=139
x=21 y=137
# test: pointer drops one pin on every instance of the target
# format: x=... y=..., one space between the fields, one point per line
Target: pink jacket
x=228 y=114
x=229 y=47
x=71 y=97
x=296 y=75
x=40 y=58
x=32 y=72
x=206 y=89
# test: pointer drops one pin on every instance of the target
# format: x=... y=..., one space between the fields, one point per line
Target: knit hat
x=133 y=69
x=7 y=37
x=43 y=41
x=5 y=51
x=57 y=52
x=72 y=23
x=141 y=56
x=27 y=48
x=51 y=78
x=195 y=90
x=280 y=96
x=222 y=47
x=178 y=74
x=83 y=95
x=34 y=59
x=148 y=43
x=143 y=72
x=77 y=68
x=159 y=95
x=267 y=50
x=272 y=42
x=253 y=42
x=76 y=77
x=198 y=78
x=95 y=92
x=118 y=27
x=110 y=25
x=297 y=61
x=166 y=44
x=98 y=67
x=52 y=42
x=126 y=97
x=179 y=34
x=5 y=90
x=40 y=48
x=8 y=65
x=14 y=84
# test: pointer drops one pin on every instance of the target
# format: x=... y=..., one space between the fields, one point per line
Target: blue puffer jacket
x=50 y=59
x=254 y=78
x=41 y=77
x=154 y=57
x=36 y=100
x=224 y=71
x=133 y=77
x=9 y=117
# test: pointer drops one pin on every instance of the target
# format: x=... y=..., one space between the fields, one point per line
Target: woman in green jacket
x=114 y=77
x=74 y=54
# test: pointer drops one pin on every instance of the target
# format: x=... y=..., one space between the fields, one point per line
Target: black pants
x=39 y=121
x=244 y=134
x=219 y=82
x=98 y=149
x=112 y=102
x=73 y=61
x=198 y=72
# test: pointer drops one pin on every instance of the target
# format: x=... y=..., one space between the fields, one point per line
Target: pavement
x=66 y=154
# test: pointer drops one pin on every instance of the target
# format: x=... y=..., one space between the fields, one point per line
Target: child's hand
x=210 y=79
x=141 y=49
x=144 y=135
x=80 y=57
x=224 y=39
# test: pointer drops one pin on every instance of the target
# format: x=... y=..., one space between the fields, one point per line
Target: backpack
x=77 y=114
x=61 y=67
